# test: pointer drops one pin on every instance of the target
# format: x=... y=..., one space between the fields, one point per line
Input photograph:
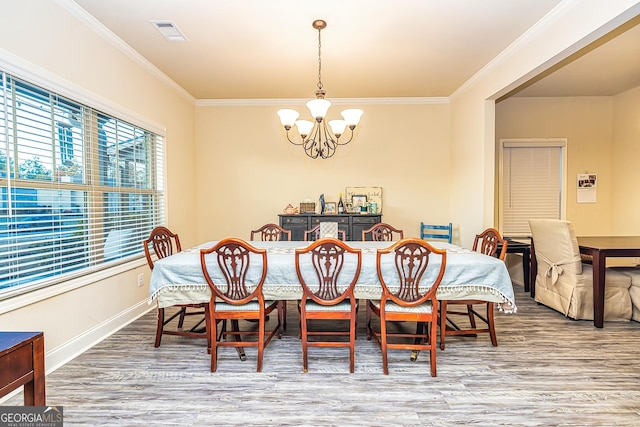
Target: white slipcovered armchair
x=564 y=283
x=634 y=290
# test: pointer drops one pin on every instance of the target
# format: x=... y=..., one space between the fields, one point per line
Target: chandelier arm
x=293 y=142
x=329 y=137
x=328 y=142
x=319 y=143
x=311 y=144
x=310 y=148
x=338 y=142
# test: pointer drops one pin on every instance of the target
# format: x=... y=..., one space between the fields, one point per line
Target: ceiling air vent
x=169 y=30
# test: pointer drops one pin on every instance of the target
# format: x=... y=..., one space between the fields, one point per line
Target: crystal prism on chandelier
x=318 y=139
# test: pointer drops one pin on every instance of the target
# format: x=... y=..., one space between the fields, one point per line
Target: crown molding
x=335 y=101
x=92 y=23
x=514 y=47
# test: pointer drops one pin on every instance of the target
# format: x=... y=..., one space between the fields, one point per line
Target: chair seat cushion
x=392 y=307
x=343 y=306
x=632 y=272
x=613 y=277
x=617 y=301
x=634 y=290
x=250 y=306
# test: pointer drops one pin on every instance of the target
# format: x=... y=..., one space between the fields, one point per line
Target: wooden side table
x=524 y=248
x=22 y=364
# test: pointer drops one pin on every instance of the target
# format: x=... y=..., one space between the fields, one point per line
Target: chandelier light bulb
x=288 y=117
x=304 y=127
x=352 y=116
x=318 y=108
x=337 y=127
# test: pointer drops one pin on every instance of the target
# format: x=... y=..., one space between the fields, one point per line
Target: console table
x=22 y=363
x=352 y=224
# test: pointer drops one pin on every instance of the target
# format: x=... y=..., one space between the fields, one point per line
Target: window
x=532 y=183
x=79 y=189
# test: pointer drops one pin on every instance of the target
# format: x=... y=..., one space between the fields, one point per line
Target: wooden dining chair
x=407 y=296
x=486 y=243
x=314 y=234
x=271 y=232
x=163 y=243
x=328 y=270
x=229 y=267
x=382 y=232
x=436 y=232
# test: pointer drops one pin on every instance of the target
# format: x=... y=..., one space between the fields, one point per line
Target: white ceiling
x=257 y=49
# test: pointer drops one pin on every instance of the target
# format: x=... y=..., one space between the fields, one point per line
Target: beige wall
x=586 y=123
x=471 y=167
x=41 y=39
x=247 y=171
x=625 y=188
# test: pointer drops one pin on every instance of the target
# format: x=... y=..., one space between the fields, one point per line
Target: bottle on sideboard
x=340 y=205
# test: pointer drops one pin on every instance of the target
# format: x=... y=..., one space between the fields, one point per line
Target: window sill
x=21 y=300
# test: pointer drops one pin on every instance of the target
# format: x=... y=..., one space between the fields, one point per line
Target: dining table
x=600 y=248
x=178 y=279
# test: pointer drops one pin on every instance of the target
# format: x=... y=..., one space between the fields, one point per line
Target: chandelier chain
x=319 y=60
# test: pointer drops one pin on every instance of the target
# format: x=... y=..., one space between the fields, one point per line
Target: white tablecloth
x=178 y=279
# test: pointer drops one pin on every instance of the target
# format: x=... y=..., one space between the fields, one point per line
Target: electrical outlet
x=140 y=279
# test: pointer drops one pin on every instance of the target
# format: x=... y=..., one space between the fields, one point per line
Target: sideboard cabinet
x=352 y=224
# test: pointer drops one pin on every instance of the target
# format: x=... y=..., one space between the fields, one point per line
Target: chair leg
x=159 y=327
x=352 y=343
x=443 y=323
x=235 y=327
x=472 y=318
x=368 y=321
x=432 y=350
x=383 y=345
x=419 y=331
x=260 y=342
x=303 y=332
x=282 y=306
x=214 y=345
x=426 y=332
x=356 y=318
x=208 y=329
x=299 y=321
x=282 y=317
x=490 y=321
x=183 y=313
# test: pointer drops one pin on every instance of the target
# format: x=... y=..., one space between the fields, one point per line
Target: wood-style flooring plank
x=546 y=370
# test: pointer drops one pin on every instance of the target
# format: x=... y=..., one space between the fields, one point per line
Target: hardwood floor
x=546 y=370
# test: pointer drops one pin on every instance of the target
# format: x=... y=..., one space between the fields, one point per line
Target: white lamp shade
x=352 y=116
x=288 y=117
x=304 y=127
x=318 y=107
x=337 y=126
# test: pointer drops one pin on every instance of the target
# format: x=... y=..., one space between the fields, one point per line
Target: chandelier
x=318 y=139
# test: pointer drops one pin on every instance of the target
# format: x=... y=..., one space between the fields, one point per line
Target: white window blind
x=532 y=184
x=79 y=190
